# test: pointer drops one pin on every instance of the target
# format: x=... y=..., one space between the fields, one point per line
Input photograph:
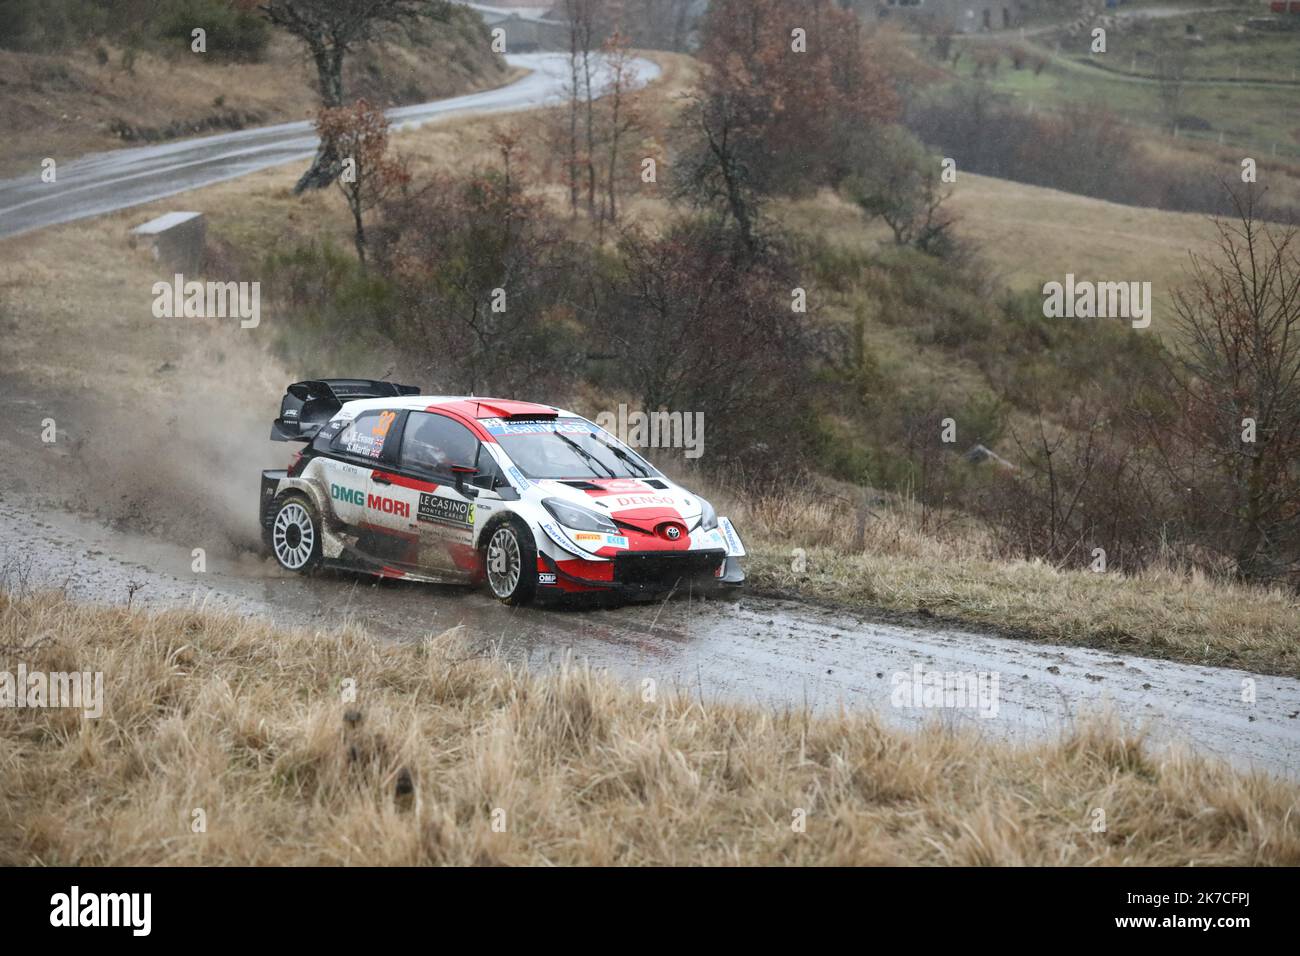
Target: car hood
x=640 y=503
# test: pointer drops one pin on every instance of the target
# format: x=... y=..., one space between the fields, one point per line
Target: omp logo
x=103 y=909
x=351 y=495
x=388 y=506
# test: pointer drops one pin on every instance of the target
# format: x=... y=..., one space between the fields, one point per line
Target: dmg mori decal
x=350 y=495
x=388 y=506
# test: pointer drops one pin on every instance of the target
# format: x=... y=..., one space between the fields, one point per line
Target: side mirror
x=462 y=472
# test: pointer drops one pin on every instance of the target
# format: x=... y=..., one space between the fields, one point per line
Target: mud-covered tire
x=295 y=535
x=510 y=562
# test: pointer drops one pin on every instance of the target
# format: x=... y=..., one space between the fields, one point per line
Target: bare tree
x=1081 y=483
x=358 y=135
x=331 y=29
x=715 y=176
x=623 y=115
x=581 y=18
x=1233 y=448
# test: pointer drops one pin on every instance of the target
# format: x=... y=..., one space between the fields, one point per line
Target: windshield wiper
x=585 y=454
x=625 y=457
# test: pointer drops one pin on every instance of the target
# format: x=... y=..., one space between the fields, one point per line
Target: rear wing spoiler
x=307 y=406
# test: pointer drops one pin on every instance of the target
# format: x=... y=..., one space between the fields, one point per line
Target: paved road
x=104 y=182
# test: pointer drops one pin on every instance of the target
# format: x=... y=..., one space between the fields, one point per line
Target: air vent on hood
x=656 y=483
x=582 y=485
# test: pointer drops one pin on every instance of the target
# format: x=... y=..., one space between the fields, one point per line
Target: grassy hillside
x=105 y=93
x=1029 y=234
x=226 y=741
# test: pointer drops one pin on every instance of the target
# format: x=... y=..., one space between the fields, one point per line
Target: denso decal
x=351 y=495
x=634 y=501
x=388 y=506
x=445 y=510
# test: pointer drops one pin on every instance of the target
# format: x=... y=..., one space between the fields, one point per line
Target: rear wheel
x=510 y=562
x=296 y=535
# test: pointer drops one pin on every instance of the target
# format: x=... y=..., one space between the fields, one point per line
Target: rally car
x=530 y=499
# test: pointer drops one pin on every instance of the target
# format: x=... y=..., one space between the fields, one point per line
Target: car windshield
x=566 y=448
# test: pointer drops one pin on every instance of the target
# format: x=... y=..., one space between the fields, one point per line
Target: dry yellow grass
x=244 y=722
x=955 y=573
x=1028 y=235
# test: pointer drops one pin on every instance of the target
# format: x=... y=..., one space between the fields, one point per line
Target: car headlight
x=708 y=517
x=580 y=519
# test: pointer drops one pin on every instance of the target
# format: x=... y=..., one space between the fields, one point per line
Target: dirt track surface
x=776 y=653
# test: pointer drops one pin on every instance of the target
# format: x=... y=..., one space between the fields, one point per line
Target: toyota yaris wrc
x=532 y=500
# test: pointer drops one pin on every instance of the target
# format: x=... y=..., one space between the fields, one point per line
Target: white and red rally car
x=532 y=499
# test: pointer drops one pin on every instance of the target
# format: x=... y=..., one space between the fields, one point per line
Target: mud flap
x=270 y=485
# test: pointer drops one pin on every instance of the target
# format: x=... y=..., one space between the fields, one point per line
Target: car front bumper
x=645 y=573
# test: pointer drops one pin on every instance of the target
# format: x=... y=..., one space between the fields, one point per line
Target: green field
x=1219 y=46
x=1262 y=119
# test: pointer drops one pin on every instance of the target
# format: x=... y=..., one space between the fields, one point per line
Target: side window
x=433 y=443
x=366 y=435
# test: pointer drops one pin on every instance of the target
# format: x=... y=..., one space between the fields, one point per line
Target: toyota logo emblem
x=673 y=532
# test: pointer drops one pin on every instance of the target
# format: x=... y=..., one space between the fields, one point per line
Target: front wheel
x=510 y=563
x=295 y=535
